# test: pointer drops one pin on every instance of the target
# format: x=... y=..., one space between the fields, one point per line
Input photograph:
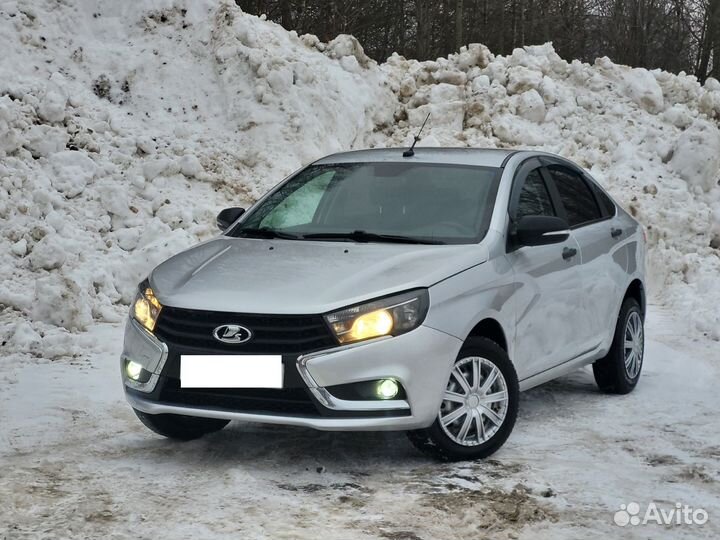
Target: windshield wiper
x=364 y=236
x=266 y=232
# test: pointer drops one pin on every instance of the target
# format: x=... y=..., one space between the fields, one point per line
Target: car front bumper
x=419 y=360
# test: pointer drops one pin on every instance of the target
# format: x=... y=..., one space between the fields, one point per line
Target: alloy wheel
x=475 y=401
x=634 y=345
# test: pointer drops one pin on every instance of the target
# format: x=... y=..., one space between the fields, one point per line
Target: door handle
x=615 y=232
x=569 y=253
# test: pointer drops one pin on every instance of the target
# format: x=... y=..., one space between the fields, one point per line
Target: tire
x=178 y=427
x=442 y=443
x=616 y=373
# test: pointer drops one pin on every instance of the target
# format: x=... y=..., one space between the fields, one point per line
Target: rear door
x=591 y=221
x=548 y=280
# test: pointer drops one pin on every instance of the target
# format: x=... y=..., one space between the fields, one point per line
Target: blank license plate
x=231 y=371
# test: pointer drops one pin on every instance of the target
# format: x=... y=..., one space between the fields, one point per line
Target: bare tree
x=669 y=34
x=714 y=32
x=459 y=23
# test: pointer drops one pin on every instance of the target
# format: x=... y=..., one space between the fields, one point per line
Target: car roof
x=479 y=157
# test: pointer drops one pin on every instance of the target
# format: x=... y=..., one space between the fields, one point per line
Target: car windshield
x=378 y=202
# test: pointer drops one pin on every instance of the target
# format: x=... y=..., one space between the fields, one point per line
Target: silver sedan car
x=389 y=290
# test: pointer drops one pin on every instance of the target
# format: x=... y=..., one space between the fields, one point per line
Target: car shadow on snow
x=576 y=388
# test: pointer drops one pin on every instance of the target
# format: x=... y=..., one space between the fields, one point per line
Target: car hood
x=247 y=275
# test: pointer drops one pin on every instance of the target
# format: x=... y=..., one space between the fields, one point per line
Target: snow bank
x=123 y=130
x=650 y=137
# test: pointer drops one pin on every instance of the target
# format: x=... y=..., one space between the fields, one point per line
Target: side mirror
x=228 y=216
x=540 y=231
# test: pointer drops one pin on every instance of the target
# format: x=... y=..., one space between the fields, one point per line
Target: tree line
x=675 y=35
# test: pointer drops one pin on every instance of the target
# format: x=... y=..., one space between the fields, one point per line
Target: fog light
x=133 y=370
x=387 y=389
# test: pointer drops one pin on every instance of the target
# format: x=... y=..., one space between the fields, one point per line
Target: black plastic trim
x=508 y=158
x=291 y=404
x=362 y=391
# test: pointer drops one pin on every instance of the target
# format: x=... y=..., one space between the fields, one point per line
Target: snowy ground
x=77 y=463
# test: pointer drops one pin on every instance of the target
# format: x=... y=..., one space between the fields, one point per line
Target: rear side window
x=534 y=197
x=606 y=203
x=576 y=196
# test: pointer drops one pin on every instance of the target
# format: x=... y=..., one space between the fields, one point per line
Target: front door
x=549 y=284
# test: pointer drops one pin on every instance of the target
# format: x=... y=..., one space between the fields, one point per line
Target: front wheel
x=619 y=371
x=183 y=428
x=479 y=406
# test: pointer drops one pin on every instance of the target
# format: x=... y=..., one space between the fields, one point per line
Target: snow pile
x=650 y=137
x=124 y=129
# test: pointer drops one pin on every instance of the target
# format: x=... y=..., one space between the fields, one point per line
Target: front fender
x=486 y=291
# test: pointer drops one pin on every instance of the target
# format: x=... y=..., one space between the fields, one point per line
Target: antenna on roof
x=411 y=151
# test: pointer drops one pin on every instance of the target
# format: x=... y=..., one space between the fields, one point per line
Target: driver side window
x=534 y=197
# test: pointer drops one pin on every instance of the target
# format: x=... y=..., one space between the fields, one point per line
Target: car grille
x=286 y=401
x=187 y=331
x=192 y=331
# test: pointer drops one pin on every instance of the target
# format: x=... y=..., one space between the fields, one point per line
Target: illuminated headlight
x=146 y=307
x=389 y=316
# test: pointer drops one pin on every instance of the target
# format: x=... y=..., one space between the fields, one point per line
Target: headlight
x=146 y=307
x=393 y=315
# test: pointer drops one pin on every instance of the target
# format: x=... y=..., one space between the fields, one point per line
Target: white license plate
x=231 y=371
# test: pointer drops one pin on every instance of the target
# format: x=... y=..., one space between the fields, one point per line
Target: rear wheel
x=619 y=371
x=183 y=428
x=479 y=407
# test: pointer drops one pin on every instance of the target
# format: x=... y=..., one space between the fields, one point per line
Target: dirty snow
x=124 y=130
x=650 y=137
x=125 y=127
x=122 y=138
x=78 y=464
